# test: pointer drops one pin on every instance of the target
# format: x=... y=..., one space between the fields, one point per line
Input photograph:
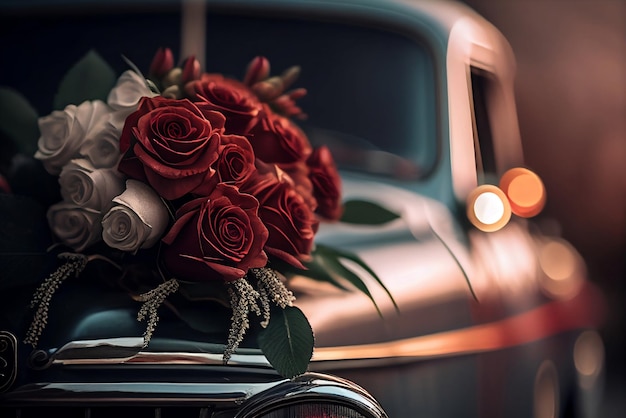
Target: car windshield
x=371 y=93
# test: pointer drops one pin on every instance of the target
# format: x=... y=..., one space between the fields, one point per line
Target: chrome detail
x=39 y=360
x=313 y=387
x=8 y=360
x=199 y=358
x=129 y=351
x=140 y=393
x=100 y=351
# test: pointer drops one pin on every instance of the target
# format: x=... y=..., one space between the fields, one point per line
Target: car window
x=482 y=85
x=371 y=93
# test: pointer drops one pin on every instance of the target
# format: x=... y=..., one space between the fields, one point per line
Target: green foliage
x=287 y=342
x=326 y=265
x=18 y=120
x=330 y=258
x=91 y=78
x=366 y=213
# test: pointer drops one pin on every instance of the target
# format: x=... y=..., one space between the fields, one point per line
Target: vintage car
x=494 y=317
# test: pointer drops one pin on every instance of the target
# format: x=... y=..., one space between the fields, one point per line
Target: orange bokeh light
x=525 y=191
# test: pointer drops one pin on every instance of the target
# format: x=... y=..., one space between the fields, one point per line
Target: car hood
x=418 y=257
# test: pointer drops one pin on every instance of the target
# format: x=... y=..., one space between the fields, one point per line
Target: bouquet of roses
x=210 y=171
x=192 y=184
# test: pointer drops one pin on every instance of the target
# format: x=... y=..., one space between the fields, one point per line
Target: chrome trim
x=249 y=398
x=128 y=350
x=156 y=393
x=314 y=387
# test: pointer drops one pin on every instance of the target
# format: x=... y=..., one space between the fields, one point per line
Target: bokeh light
x=562 y=268
x=588 y=357
x=525 y=191
x=488 y=208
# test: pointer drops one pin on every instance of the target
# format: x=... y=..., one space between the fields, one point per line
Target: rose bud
x=86 y=186
x=268 y=89
x=77 y=227
x=290 y=75
x=285 y=104
x=162 y=63
x=191 y=70
x=137 y=219
x=258 y=69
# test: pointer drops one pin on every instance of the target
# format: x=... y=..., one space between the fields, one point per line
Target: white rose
x=84 y=185
x=129 y=89
x=101 y=145
x=137 y=220
x=63 y=132
x=77 y=227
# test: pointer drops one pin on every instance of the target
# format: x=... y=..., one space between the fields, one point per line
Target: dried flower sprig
x=270 y=283
x=74 y=265
x=152 y=300
x=245 y=299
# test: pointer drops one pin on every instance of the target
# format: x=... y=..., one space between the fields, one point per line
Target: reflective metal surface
x=313 y=387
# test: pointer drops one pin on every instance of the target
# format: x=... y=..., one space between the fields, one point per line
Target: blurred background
x=571 y=96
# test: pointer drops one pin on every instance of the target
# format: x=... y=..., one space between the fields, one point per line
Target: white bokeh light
x=488 y=208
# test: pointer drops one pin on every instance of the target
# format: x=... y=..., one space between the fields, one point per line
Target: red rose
x=298 y=175
x=171 y=145
x=218 y=237
x=230 y=97
x=236 y=160
x=326 y=183
x=289 y=220
x=276 y=139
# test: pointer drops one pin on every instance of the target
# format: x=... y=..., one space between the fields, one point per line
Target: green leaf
x=287 y=342
x=366 y=213
x=326 y=266
x=91 y=78
x=315 y=269
x=332 y=258
x=18 y=120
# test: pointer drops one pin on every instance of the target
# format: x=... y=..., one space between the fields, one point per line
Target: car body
x=416 y=100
